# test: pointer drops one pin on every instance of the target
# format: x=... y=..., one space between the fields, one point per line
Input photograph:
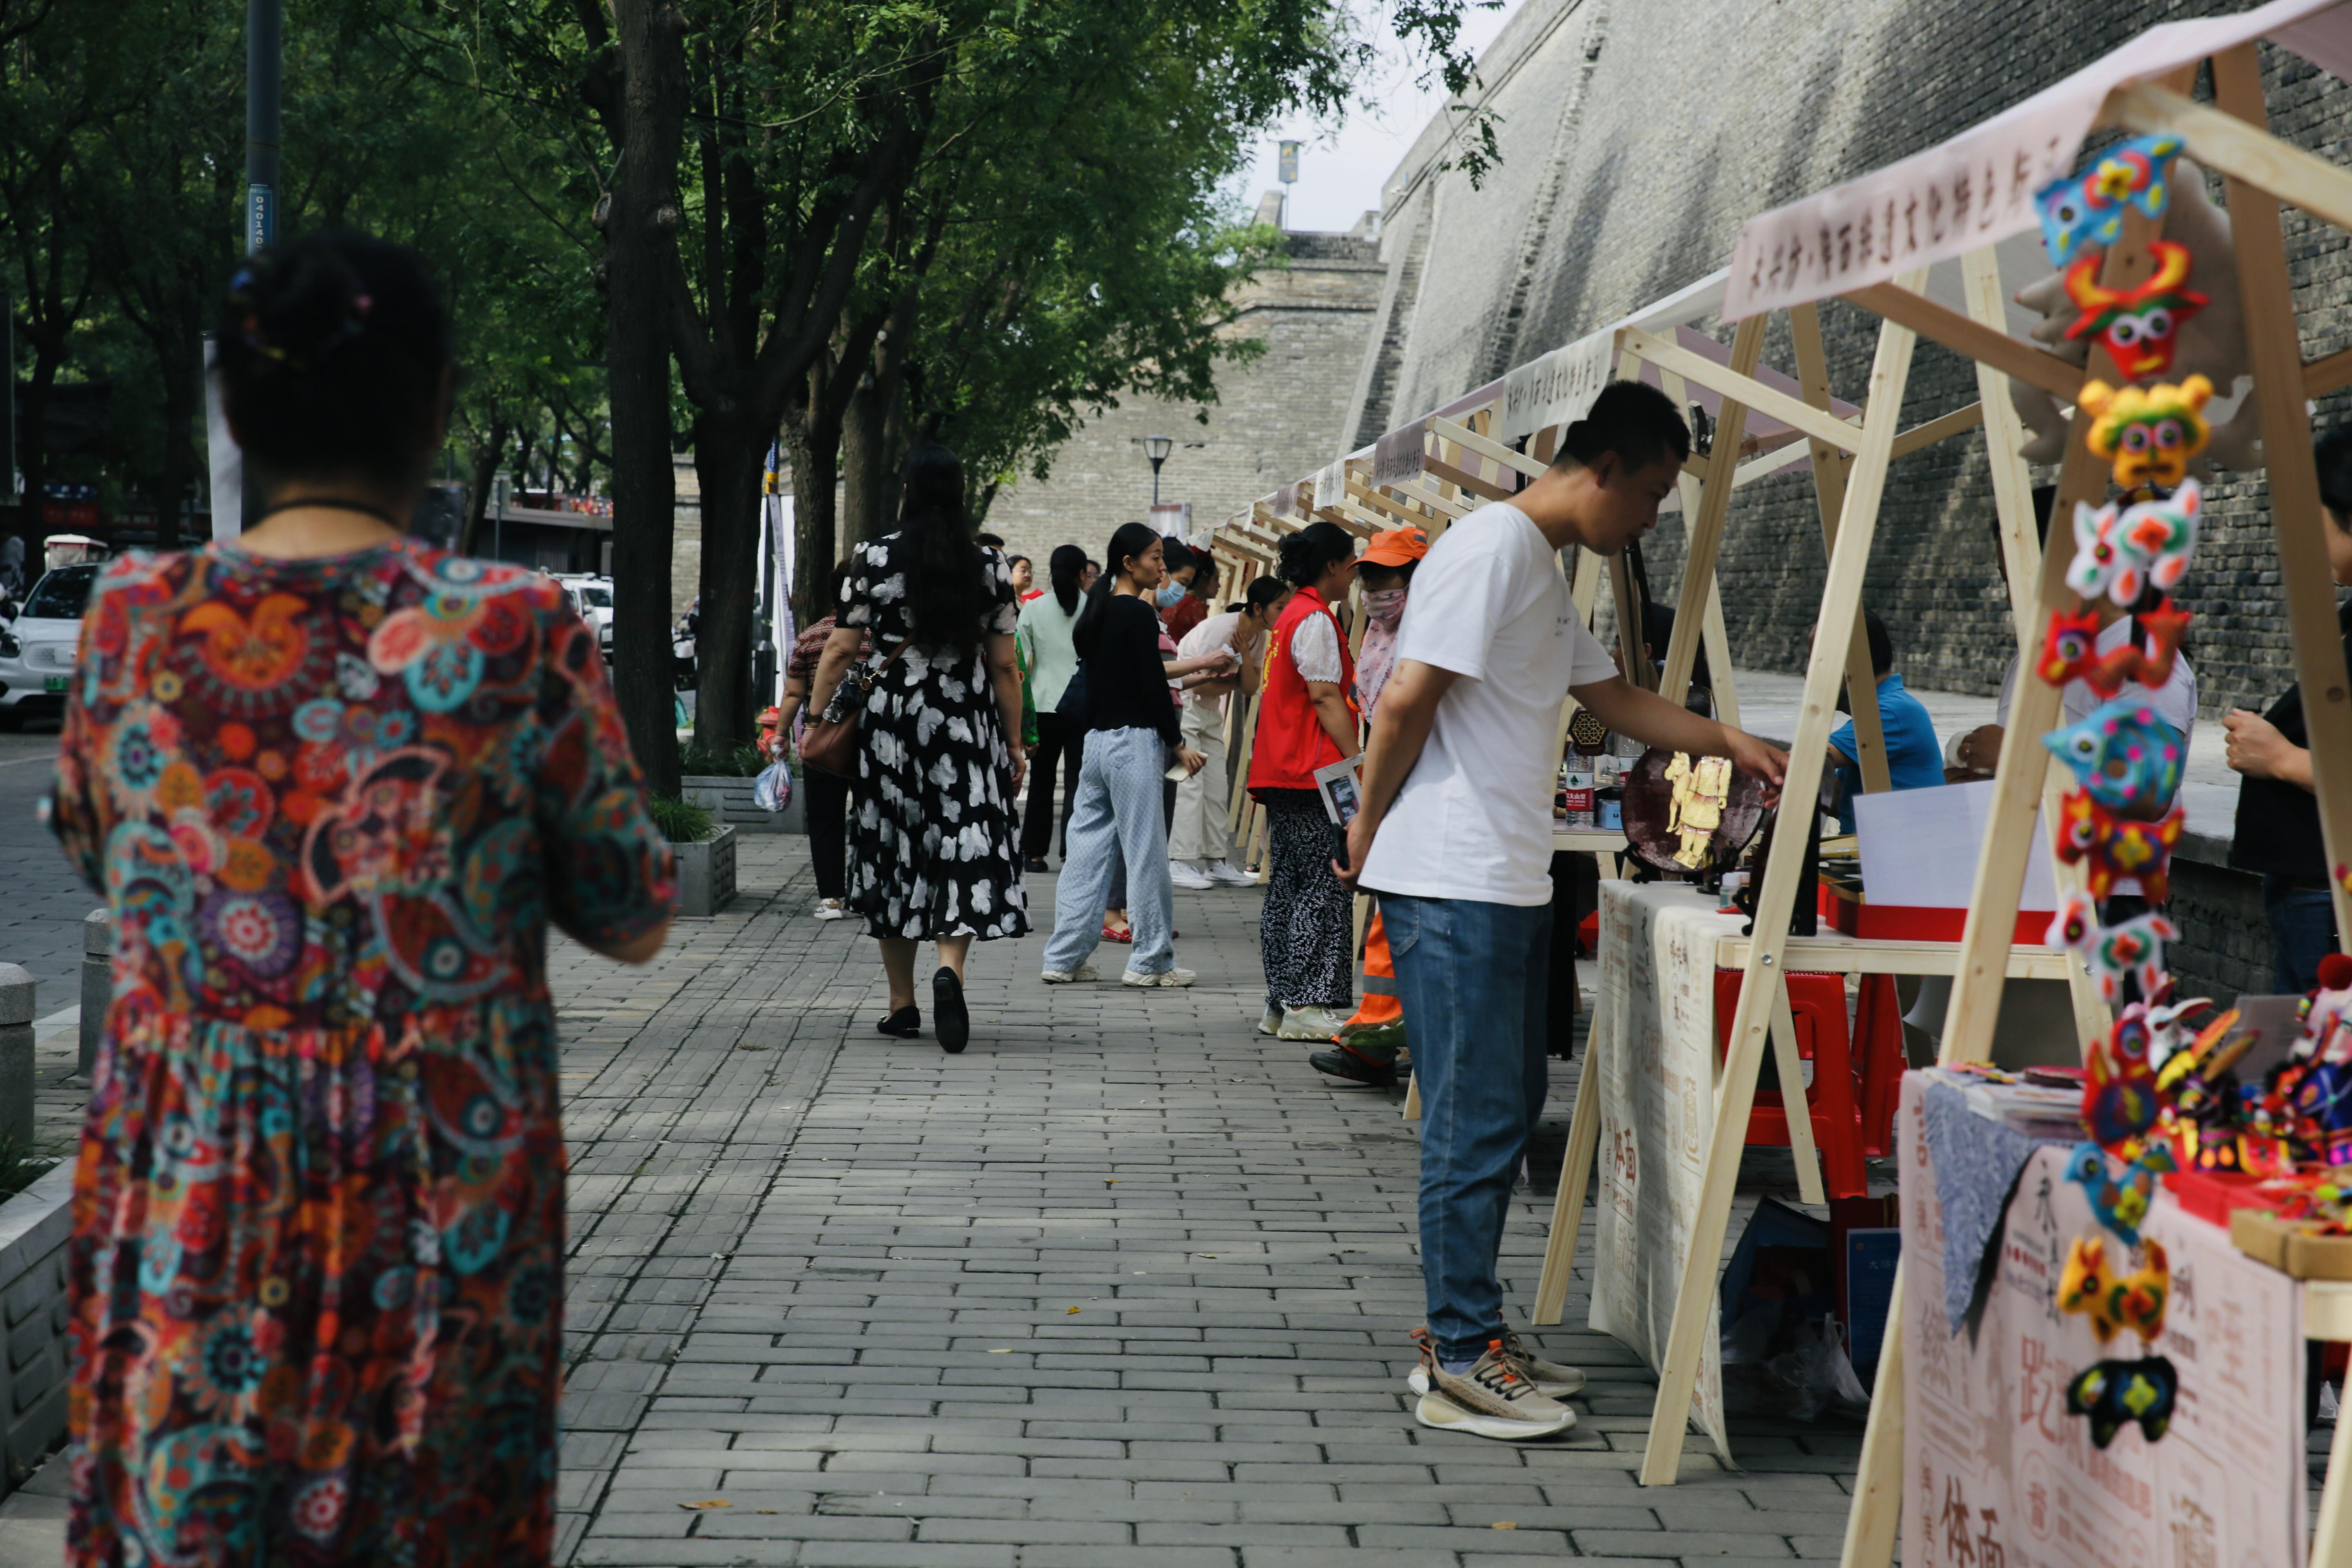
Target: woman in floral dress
x=931 y=835
x=333 y=785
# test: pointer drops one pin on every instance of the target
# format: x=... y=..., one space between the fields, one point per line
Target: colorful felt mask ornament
x=2123 y=754
x=2120 y=1202
x=2114 y=1394
x=2119 y=1104
x=2087 y=209
x=2117 y=846
x=2160 y=535
x=2112 y=1301
x=2147 y=435
x=2137 y=324
x=2070 y=647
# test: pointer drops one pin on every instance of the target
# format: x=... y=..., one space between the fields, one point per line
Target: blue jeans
x=1117 y=812
x=1472 y=977
x=2303 y=931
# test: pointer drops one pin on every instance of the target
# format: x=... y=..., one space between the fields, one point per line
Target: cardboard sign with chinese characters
x=1997 y=1474
x=1656 y=1032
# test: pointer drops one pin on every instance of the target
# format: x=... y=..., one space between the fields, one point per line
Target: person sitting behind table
x=2276 y=833
x=1914 y=758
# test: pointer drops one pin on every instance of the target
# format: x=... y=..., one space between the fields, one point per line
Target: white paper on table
x=1920 y=848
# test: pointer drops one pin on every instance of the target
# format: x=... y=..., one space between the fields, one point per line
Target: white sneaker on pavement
x=1310 y=1024
x=1069 y=976
x=1165 y=977
x=1185 y=874
x=1492 y=1399
x=829 y=910
x=1552 y=1380
x=1270 y=1022
x=1231 y=875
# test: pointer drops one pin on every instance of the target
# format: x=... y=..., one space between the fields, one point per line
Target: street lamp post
x=1156 y=447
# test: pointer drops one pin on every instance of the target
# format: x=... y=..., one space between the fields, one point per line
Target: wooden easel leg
x=1719 y=657
x=1776 y=900
x=1831 y=468
x=1792 y=1095
x=1575 y=1174
x=1878 y=1482
x=1411 y=1097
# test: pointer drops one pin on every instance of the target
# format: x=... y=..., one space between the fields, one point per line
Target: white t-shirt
x=1474 y=819
x=2175 y=703
x=1216 y=632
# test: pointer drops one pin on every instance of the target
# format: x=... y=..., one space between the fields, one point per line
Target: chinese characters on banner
x=1977 y=189
x=1558 y=388
x=1656 y=1031
x=1997 y=1474
x=1398 y=455
x=1331 y=484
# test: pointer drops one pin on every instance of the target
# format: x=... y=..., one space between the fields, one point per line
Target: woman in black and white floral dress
x=934 y=854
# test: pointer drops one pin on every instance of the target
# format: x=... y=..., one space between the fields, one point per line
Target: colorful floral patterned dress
x=317 y=1264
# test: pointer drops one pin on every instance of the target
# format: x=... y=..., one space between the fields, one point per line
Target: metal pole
x=264 y=71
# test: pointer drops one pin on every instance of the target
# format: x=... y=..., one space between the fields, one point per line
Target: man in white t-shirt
x=1456 y=838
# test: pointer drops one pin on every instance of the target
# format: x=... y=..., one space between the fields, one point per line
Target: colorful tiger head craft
x=2147 y=435
x=2139 y=326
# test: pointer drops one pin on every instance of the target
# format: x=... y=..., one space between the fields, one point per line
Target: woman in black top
x=1131 y=735
x=2277 y=833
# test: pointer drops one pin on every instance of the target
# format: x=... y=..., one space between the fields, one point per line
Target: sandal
x=1118 y=934
x=906 y=1024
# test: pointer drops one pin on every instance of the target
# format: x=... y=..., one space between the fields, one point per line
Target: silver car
x=38 y=649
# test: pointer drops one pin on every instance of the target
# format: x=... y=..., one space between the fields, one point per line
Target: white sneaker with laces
x=1184 y=874
x=1310 y=1024
x=1069 y=976
x=1165 y=977
x=1492 y=1399
x=1552 y=1380
x=829 y=910
x=1270 y=1022
x=1231 y=875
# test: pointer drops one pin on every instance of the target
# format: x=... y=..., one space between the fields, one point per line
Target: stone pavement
x=41 y=912
x=1124 y=1284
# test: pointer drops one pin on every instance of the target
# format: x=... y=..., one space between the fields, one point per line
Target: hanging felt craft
x=2121 y=1202
x=2119 y=1104
x=2137 y=325
x=2160 y=535
x=2124 y=752
x=2115 y=1301
x=2114 y=847
x=2114 y=1394
x=2147 y=435
x=2134 y=948
x=2087 y=209
x=2070 y=651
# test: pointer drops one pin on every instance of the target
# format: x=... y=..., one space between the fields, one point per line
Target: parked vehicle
x=592 y=596
x=38 y=649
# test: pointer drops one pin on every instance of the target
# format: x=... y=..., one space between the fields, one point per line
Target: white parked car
x=38 y=649
x=592 y=598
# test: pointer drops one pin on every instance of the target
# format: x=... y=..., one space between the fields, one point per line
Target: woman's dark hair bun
x=1308 y=553
x=332 y=351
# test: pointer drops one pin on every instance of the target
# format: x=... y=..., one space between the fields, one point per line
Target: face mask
x=1169 y=596
x=1386 y=606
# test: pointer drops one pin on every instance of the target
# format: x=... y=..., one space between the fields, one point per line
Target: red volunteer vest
x=1290 y=743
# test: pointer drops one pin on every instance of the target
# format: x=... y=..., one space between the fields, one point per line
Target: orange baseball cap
x=1396 y=547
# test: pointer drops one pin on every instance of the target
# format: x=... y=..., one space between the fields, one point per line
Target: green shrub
x=682 y=821
x=742 y=762
x=20 y=1166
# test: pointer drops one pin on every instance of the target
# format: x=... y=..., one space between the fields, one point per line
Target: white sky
x=1342 y=168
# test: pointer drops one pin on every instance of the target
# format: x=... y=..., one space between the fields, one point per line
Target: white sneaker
x=829 y=910
x=1069 y=976
x=1310 y=1024
x=1491 y=1399
x=1231 y=875
x=1270 y=1023
x=1165 y=977
x=1184 y=874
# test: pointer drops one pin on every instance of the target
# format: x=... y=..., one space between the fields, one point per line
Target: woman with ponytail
x=1046 y=623
x=931 y=854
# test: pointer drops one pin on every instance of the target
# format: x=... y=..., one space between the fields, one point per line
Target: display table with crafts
x=2097 y=1375
x=1647 y=1092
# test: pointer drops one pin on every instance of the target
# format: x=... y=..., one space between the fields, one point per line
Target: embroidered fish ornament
x=2116 y=1394
x=2138 y=326
x=2123 y=754
x=2086 y=209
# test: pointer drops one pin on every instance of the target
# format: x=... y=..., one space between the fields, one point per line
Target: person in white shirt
x=1199 y=849
x=1456 y=838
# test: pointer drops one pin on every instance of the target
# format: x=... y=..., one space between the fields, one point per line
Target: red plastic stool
x=1851 y=1101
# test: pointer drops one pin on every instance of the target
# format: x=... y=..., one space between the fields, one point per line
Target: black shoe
x=1345 y=1063
x=952 y=1022
x=906 y=1023
x=1035 y=863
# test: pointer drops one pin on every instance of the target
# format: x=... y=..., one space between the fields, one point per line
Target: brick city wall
x=1275 y=418
x=1636 y=141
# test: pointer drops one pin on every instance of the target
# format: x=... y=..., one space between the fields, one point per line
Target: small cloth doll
x=2116 y=848
x=2114 y=1302
x=2124 y=754
x=2114 y=1394
x=2137 y=325
x=2119 y=1104
x=2121 y=1202
x=2079 y=211
x=2134 y=948
x=2160 y=535
x=2147 y=435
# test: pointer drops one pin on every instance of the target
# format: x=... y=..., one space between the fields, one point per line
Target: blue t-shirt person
x=1915 y=759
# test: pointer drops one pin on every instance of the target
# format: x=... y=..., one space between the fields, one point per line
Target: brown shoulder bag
x=829 y=742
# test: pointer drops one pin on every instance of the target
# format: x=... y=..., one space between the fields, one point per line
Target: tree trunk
x=487 y=454
x=180 y=362
x=640 y=227
x=815 y=459
x=729 y=459
x=863 y=439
